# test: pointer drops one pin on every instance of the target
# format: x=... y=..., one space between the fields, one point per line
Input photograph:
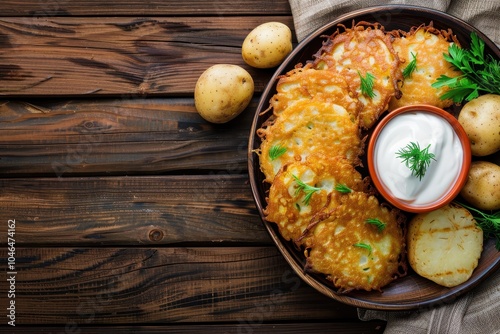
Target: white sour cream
x=423 y=128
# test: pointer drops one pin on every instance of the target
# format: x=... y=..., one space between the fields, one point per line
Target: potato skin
x=267 y=45
x=444 y=245
x=482 y=189
x=480 y=118
x=222 y=92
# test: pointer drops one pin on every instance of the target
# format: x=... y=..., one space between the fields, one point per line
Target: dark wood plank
x=89 y=286
x=49 y=8
x=118 y=56
x=255 y=327
x=118 y=136
x=131 y=211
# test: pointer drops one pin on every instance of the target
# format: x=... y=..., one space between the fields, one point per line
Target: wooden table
x=126 y=211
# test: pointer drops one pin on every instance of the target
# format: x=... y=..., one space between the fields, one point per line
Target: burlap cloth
x=478 y=311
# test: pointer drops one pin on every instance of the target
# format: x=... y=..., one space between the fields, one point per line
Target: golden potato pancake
x=301 y=191
x=312 y=144
x=305 y=83
x=353 y=253
x=424 y=46
x=361 y=51
x=308 y=127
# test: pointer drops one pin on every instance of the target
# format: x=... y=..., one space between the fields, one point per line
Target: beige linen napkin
x=309 y=15
x=479 y=310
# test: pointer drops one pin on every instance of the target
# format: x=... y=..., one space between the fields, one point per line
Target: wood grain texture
x=131 y=211
x=158 y=285
x=118 y=137
x=367 y=327
x=136 y=7
x=117 y=56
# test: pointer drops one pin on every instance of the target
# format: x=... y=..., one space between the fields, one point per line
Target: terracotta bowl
x=448 y=194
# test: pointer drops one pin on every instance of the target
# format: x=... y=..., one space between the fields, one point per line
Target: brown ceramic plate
x=412 y=291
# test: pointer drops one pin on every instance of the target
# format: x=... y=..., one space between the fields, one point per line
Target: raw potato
x=222 y=92
x=482 y=189
x=445 y=245
x=267 y=45
x=480 y=118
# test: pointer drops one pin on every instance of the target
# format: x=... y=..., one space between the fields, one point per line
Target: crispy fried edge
x=402 y=257
x=386 y=37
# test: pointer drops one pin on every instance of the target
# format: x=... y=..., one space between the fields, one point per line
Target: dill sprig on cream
x=416 y=159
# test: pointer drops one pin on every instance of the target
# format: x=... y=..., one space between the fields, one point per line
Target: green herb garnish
x=411 y=67
x=375 y=221
x=415 y=159
x=489 y=223
x=306 y=189
x=481 y=73
x=367 y=84
x=276 y=151
x=365 y=246
x=342 y=188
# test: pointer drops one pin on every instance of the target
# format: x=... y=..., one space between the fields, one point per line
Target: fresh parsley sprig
x=305 y=188
x=481 y=73
x=415 y=159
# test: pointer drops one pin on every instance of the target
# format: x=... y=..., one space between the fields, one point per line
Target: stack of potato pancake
x=313 y=143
